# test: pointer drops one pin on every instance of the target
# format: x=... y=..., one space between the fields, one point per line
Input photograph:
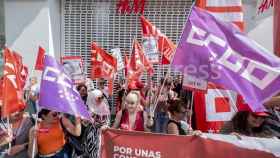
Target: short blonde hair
x=135 y=93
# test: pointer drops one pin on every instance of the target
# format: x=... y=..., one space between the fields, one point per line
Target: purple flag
x=57 y=91
x=218 y=52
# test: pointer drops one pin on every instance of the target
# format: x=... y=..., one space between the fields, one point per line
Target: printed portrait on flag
x=150 y=49
x=73 y=67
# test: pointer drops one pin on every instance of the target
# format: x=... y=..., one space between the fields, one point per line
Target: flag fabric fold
x=57 y=91
x=217 y=51
x=104 y=65
x=12 y=89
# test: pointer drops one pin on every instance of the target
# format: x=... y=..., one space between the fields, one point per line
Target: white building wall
x=27 y=27
x=258 y=27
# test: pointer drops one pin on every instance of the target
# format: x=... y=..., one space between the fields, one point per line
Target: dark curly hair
x=240 y=123
x=43 y=112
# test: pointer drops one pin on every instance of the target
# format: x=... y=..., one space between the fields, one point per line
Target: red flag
x=226 y=10
x=165 y=46
x=104 y=65
x=215 y=107
x=276 y=28
x=21 y=70
x=40 y=59
x=138 y=60
x=12 y=88
x=23 y=75
x=131 y=74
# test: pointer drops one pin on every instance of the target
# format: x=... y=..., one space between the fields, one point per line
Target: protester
x=21 y=124
x=101 y=118
x=178 y=85
x=82 y=89
x=33 y=95
x=178 y=115
x=247 y=123
x=161 y=112
x=133 y=118
x=272 y=122
x=121 y=90
x=101 y=86
x=49 y=137
x=138 y=86
x=105 y=91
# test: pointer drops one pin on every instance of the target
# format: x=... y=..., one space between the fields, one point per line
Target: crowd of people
x=165 y=108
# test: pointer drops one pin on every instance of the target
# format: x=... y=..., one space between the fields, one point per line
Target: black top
x=181 y=130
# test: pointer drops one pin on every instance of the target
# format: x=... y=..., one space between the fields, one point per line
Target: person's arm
x=172 y=129
x=32 y=142
x=4 y=138
x=148 y=122
x=274 y=101
x=74 y=129
x=17 y=148
x=117 y=120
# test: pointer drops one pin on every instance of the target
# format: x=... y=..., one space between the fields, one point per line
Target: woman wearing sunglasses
x=49 y=137
x=133 y=118
x=247 y=123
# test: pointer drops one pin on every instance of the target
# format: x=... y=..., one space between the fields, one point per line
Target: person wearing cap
x=247 y=123
x=100 y=113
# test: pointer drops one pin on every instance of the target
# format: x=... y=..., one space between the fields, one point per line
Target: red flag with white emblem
x=164 y=45
x=215 y=107
x=104 y=65
x=12 y=86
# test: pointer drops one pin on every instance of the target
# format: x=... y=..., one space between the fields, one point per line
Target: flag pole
x=191 y=111
x=171 y=61
x=10 y=132
x=34 y=137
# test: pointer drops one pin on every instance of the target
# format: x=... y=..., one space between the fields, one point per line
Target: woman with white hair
x=101 y=117
x=133 y=118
